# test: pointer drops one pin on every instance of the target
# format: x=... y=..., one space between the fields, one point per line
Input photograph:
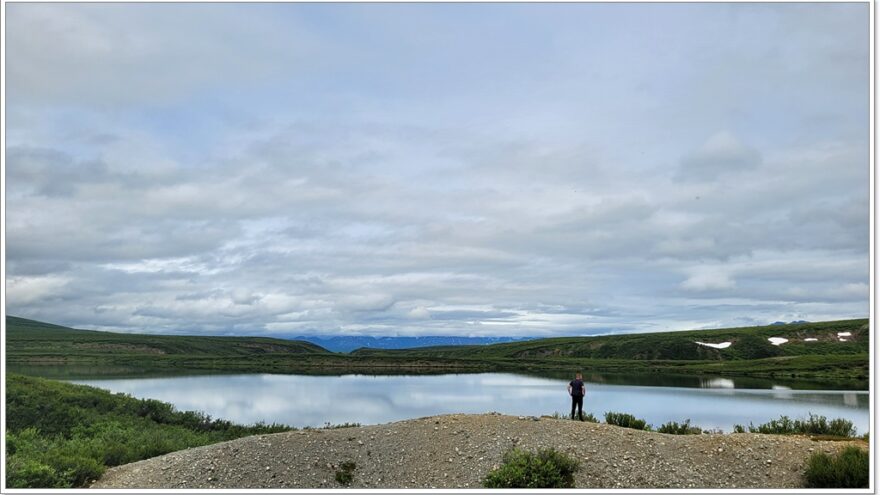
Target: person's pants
x=577 y=401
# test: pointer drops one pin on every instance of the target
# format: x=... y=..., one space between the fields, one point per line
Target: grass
x=588 y=417
x=60 y=435
x=848 y=469
x=814 y=425
x=522 y=469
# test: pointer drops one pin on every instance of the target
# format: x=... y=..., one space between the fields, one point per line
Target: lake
x=306 y=400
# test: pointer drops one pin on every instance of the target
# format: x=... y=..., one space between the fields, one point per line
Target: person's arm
x=569 y=389
x=584 y=389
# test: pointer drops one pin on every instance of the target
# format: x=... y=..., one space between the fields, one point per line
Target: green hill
x=33 y=338
x=745 y=343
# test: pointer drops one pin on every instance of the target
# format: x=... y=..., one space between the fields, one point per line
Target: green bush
x=521 y=469
x=28 y=473
x=848 y=469
x=739 y=429
x=674 y=428
x=626 y=421
x=345 y=473
x=815 y=425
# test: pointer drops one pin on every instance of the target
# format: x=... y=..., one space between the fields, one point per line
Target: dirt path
x=456 y=451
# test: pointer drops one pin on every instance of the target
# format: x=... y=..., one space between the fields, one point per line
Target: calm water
x=303 y=400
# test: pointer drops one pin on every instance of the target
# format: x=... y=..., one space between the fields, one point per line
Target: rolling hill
x=744 y=344
x=29 y=337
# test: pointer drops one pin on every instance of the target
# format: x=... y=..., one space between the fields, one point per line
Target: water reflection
x=303 y=400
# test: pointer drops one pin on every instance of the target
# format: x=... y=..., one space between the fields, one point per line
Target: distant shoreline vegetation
x=811 y=351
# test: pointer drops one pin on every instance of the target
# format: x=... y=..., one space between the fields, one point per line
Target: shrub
x=97 y=429
x=521 y=469
x=27 y=473
x=329 y=426
x=815 y=425
x=345 y=473
x=848 y=469
x=674 y=428
x=739 y=429
x=626 y=421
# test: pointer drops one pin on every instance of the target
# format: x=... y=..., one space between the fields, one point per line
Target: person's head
x=578 y=375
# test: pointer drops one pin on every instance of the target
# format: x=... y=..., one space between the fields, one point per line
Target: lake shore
x=458 y=450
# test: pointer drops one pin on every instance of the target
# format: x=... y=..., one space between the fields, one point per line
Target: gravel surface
x=457 y=451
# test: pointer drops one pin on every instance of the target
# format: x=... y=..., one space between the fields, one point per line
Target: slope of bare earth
x=457 y=451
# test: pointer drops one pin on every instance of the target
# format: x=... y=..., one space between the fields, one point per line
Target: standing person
x=577 y=390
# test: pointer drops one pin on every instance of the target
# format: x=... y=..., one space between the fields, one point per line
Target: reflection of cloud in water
x=314 y=400
x=718 y=383
x=781 y=392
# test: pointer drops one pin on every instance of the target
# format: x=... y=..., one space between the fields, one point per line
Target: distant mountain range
x=349 y=343
x=797 y=322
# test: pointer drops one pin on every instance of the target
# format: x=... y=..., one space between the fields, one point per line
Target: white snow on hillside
x=723 y=345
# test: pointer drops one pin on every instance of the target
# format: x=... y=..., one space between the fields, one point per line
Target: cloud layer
x=436 y=169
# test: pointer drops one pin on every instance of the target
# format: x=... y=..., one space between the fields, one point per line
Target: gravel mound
x=457 y=451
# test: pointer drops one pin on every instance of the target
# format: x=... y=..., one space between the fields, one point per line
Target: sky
x=436 y=169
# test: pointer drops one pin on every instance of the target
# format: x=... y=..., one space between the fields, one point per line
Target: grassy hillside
x=28 y=337
x=34 y=347
x=746 y=343
x=60 y=435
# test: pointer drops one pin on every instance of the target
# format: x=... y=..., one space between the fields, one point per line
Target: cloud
x=708 y=279
x=360 y=169
x=721 y=154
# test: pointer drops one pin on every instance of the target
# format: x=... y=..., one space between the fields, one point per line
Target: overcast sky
x=436 y=169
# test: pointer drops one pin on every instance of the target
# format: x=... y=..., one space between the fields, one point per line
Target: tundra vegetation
x=60 y=435
x=814 y=425
x=675 y=428
x=345 y=474
x=546 y=468
x=626 y=420
x=848 y=469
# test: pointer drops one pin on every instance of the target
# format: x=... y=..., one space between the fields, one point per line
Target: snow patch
x=777 y=340
x=811 y=339
x=844 y=334
x=723 y=345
